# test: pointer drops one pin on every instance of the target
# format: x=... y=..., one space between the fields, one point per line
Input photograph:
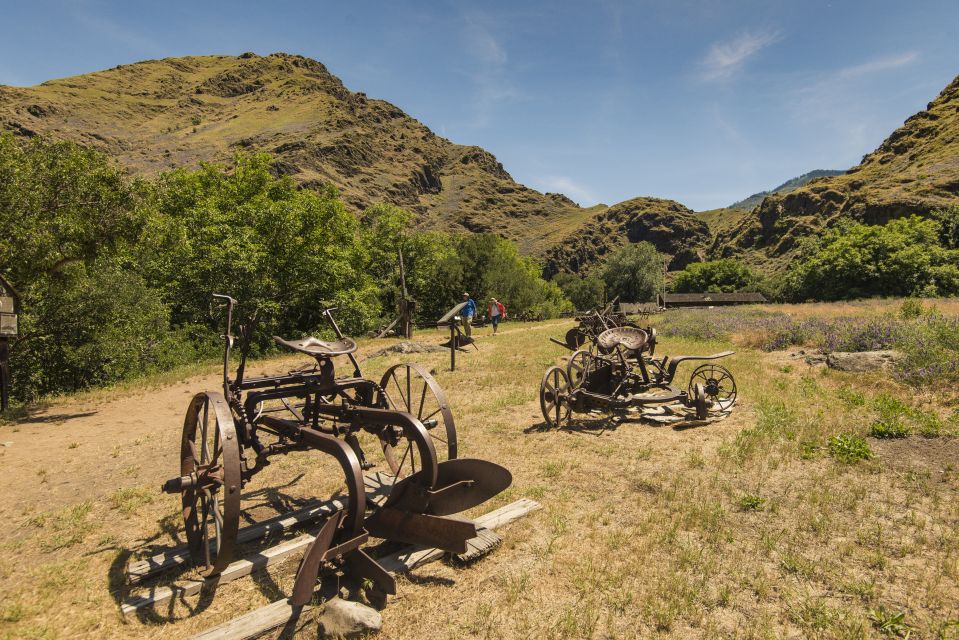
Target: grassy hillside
x=914 y=171
x=178 y=112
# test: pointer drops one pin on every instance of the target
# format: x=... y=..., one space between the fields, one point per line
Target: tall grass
x=927 y=339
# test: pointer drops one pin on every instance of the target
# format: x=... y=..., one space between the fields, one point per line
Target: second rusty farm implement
x=620 y=372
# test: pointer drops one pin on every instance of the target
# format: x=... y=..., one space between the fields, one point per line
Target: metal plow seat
x=629 y=338
x=319 y=348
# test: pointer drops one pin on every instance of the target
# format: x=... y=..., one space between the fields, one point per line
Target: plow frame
x=310 y=409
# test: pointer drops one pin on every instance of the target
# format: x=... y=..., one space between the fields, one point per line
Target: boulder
x=860 y=361
x=347 y=619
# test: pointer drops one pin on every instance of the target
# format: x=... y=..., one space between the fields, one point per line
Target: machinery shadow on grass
x=592 y=426
x=171 y=527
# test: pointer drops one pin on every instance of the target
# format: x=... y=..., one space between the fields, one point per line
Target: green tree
x=901 y=258
x=69 y=220
x=634 y=272
x=948 y=220
x=584 y=292
x=60 y=204
x=725 y=276
x=386 y=230
x=486 y=265
x=239 y=230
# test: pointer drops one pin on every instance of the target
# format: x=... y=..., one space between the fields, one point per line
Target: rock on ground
x=406 y=347
x=859 y=361
x=347 y=619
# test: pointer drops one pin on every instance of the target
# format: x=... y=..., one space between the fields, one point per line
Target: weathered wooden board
x=282 y=612
x=238 y=569
x=378 y=486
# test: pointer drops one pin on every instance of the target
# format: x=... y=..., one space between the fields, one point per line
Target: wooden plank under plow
x=281 y=612
x=378 y=486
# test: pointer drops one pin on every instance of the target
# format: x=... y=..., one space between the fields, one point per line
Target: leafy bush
x=888 y=430
x=930 y=350
x=116 y=275
x=901 y=258
x=726 y=276
x=93 y=327
x=634 y=272
x=584 y=292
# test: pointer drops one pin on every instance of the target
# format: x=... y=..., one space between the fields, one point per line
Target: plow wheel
x=410 y=388
x=554 y=396
x=718 y=384
x=579 y=366
x=699 y=401
x=210 y=455
x=575 y=338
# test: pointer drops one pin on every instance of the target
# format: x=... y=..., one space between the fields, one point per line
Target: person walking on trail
x=467 y=314
x=497 y=312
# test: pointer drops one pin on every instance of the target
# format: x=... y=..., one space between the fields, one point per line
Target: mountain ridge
x=913 y=172
x=177 y=112
x=788 y=186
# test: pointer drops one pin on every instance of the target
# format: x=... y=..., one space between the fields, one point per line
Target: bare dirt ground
x=745 y=528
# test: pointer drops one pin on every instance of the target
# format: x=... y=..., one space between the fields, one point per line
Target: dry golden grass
x=747 y=528
x=864 y=308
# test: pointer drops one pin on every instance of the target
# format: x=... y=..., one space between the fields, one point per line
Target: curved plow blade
x=464 y=483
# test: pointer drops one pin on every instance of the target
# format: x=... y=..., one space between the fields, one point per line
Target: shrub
x=888 y=430
x=726 y=275
x=584 y=292
x=901 y=258
x=849 y=448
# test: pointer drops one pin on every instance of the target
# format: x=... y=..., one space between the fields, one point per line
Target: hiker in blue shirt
x=467 y=314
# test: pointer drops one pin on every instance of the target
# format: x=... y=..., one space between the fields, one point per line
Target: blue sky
x=702 y=101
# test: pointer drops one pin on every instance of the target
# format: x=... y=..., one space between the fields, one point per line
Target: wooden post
x=4 y=374
x=407 y=305
x=453 y=344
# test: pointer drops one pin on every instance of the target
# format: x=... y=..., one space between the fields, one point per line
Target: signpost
x=9 y=310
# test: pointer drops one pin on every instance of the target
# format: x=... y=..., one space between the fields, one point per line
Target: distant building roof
x=708 y=299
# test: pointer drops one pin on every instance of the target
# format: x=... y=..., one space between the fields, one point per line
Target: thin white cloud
x=884 y=63
x=489 y=72
x=569 y=187
x=724 y=59
x=484 y=45
x=837 y=102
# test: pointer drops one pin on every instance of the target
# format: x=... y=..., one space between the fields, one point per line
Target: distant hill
x=914 y=171
x=788 y=186
x=178 y=112
x=671 y=227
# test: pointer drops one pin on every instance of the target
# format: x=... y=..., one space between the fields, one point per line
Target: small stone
x=348 y=619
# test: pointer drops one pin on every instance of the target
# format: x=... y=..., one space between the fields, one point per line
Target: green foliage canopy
x=116 y=275
x=718 y=276
x=584 y=292
x=901 y=258
x=634 y=272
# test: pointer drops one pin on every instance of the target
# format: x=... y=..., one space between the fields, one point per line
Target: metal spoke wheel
x=210 y=457
x=554 y=397
x=580 y=364
x=699 y=401
x=718 y=383
x=411 y=388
